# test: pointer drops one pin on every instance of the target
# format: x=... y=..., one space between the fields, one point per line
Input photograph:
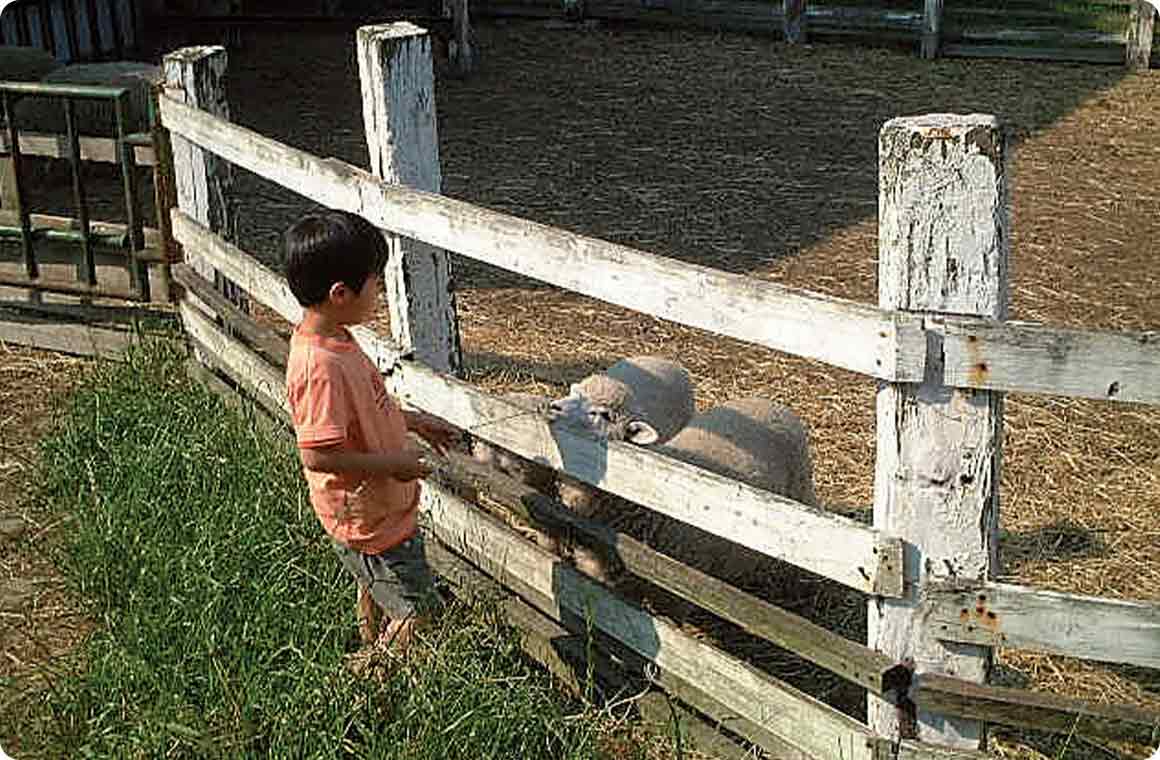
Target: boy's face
x=356 y=307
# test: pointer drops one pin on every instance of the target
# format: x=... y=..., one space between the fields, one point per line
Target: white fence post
x=204 y=181
x=944 y=237
x=398 y=89
x=1141 y=23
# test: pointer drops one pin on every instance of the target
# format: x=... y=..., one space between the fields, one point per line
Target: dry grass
x=39 y=621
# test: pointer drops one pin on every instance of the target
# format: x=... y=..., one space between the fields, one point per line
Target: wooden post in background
x=944 y=237
x=794 y=21
x=932 y=13
x=204 y=181
x=1141 y=22
x=398 y=89
x=464 y=57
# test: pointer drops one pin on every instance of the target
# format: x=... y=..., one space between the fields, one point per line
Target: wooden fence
x=1021 y=30
x=938 y=343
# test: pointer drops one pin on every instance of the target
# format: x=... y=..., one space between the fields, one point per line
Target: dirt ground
x=748 y=155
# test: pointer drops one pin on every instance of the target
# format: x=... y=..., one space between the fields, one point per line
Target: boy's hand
x=411 y=466
x=441 y=435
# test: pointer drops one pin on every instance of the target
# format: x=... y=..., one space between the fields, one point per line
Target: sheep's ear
x=641 y=433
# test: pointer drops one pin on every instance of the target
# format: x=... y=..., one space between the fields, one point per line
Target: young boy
x=352 y=435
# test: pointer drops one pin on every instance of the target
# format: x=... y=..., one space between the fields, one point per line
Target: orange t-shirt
x=337 y=396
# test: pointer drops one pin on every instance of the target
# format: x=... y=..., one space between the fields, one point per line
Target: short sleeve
x=321 y=407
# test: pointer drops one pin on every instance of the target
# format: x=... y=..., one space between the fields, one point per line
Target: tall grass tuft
x=222 y=616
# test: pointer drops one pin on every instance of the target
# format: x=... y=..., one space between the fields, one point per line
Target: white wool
x=641 y=399
x=753 y=440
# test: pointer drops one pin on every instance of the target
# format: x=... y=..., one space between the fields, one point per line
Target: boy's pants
x=399 y=579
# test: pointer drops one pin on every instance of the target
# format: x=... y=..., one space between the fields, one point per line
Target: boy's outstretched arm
x=404 y=465
x=440 y=434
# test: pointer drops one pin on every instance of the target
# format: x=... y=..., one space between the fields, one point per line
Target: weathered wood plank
x=66 y=287
x=848 y=659
x=1046 y=36
x=1092 y=628
x=463 y=53
x=1031 y=53
x=1035 y=710
x=263 y=284
x=204 y=181
x=398 y=92
x=68 y=224
x=97 y=149
x=824 y=543
x=267 y=344
x=847 y=334
x=943 y=239
x=144 y=315
x=250 y=370
x=799 y=720
x=1033 y=358
x=164 y=192
x=1138 y=47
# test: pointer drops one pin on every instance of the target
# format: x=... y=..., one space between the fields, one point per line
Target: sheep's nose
x=555 y=409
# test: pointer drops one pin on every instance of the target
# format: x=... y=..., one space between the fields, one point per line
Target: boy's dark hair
x=328 y=247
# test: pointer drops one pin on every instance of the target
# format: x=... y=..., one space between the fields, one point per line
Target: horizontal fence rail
x=844 y=333
x=880 y=343
x=99 y=149
x=1027 y=357
x=1087 y=627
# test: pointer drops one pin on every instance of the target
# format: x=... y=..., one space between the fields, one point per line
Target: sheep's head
x=604 y=407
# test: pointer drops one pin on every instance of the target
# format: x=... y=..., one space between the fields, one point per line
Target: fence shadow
x=1060 y=542
x=740 y=150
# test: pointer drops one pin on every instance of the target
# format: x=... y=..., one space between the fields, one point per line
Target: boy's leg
x=398 y=634
x=368 y=615
x=401 y=583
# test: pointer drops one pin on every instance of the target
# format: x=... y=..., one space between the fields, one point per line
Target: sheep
x=643 y=400
x=93 y=117
x=753 y=440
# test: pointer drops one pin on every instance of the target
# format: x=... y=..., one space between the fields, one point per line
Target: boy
x=352 y=435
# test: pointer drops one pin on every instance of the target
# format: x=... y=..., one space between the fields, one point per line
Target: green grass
x=222 y=617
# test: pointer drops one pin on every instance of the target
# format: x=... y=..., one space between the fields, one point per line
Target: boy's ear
x=338 y=292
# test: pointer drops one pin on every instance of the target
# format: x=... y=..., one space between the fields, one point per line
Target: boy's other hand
x=441 y=435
